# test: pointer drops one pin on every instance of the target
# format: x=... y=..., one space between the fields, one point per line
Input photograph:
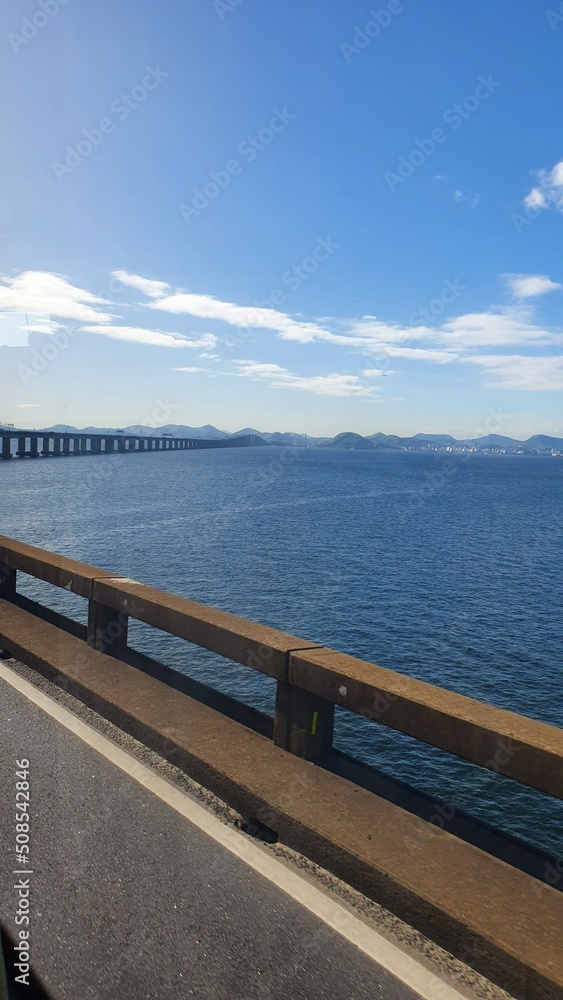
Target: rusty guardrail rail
x=311 y=679
x=498 y=914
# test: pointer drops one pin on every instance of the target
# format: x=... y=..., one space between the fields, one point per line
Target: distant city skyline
x=205 y=222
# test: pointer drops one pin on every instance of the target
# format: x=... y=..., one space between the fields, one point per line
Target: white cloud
x=526 y=286
x=548 y=192
x=27 y=406
x=260 y=369
x=326 y=385
x=42 y=292
x=518 y=371
x=154 y=289
x=421 y=354
x=322 y=385
x=438 y=343
x=503 y=328
x=461 y=196
x=139 y=335
x=209 y=307
x=535 y=199
x=245 y=317
x=28 y=302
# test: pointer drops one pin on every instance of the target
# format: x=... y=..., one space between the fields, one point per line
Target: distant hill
x=538 y=444
x=442 y=438
x=207 y=432
x=291 y=440
x=493 y=441
x=544 y=441
x=348 y=439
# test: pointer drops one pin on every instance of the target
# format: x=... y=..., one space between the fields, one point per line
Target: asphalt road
x=130 y=899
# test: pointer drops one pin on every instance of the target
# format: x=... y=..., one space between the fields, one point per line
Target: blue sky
x=309 y=217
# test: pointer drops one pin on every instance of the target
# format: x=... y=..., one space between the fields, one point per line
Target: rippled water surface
x=449 y=571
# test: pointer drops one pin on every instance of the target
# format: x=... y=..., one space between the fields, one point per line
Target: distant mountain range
x=491 y=443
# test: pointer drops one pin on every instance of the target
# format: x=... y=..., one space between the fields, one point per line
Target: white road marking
x=396 y=962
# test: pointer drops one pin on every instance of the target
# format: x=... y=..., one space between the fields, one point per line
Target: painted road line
x=385 y=954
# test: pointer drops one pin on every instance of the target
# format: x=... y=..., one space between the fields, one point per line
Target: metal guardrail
x=311 y=679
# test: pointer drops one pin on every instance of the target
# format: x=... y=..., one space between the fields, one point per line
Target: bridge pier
x=34 y=446
x=6 y=447
x=46 y=447
x=66 y=446
x=21 y=447
x=121 y=444
x=56 y=447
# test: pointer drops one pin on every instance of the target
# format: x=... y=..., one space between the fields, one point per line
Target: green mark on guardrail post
x=303 y=722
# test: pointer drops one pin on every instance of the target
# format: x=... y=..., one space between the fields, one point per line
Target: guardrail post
x=303 y=722
x=7 y=582
x=107 y=629
x=7 y=593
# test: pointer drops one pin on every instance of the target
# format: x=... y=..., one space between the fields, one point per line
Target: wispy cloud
x=505 y=327
x=140 y=335
x=42 y=292
x=153 y=289
x=460 y=195
x=548 y=192
x=246 y=317
x=527 y=286
x=211 y=308
x=421 y=354
x=323 y=385
x=467 y=337
x=518 y=371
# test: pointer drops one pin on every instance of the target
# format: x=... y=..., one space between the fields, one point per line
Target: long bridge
x=315 y=876
x=50 y=444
